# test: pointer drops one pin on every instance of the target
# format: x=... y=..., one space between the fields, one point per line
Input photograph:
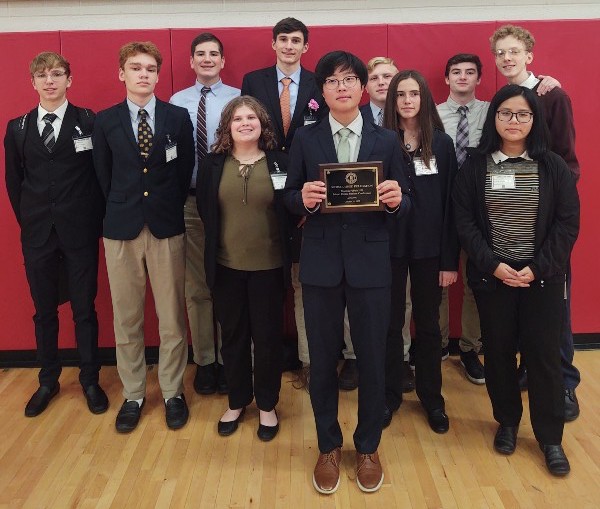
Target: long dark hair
x=538 y=139
x=223 y=140
x=428 y=117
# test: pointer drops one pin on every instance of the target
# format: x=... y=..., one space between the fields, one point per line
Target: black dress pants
x=426 y=294
x=249 y=308
x=529 y=319
x=42 y=265
x=368 y=315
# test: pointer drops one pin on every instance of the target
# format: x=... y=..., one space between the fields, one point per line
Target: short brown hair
x=375 y=61
x=518 y=33
x=49 y=60
x=135 y=48
x=223 y=140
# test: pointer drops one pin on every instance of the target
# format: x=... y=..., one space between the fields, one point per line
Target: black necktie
x=144 y=134
x=48 y=131
x=201 y=136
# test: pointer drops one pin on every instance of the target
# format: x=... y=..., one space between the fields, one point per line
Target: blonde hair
x=519 y=33
x=49 y=60
x=375 y=61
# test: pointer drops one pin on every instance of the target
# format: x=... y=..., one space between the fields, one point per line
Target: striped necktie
x=462 y=135
x=48 y=131
x=201 y=136
x=380 y=118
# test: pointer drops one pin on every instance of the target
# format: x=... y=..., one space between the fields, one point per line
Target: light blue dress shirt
x=218 y=97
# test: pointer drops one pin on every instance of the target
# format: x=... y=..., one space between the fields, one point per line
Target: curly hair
x=519 y=33
x=223 y=141
x=135 y=48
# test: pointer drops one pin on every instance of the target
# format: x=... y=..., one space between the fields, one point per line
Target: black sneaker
x=474 y=370
x=445 y=353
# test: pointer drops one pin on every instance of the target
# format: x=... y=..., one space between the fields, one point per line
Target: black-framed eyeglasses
x=522 y=116
x=348 y=82
x=55 y=75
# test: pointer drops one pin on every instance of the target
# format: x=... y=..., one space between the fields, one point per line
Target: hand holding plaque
x=352 y=187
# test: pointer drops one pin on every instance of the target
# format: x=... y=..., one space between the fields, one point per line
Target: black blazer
x=354 y=245
x=125 y=177
x=58 y=189
x=207 y=200
x=430 y=230
x=367 y=113
x=262 y=84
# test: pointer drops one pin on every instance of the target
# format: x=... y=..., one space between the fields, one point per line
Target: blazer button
x=345 y=226
x=145 y=170
x=146 y=193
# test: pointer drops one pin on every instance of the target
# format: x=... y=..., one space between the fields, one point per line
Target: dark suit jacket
x=263 y=85
x=207 y=200
x=367 y=113
x=125 y=176
x=58 y=189
x=351 y=245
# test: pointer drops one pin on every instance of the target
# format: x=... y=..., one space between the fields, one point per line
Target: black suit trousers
x=369 y=315
x=249 y=308
x=42 y=268
x=426 y=295
x=529 y=319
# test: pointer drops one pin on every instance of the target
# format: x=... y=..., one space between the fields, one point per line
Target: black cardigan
x=557 y=224
x=207 y=200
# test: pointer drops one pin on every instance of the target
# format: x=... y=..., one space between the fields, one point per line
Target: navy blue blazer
x=262 y=84
x=354 y=245
x=139 y=191
x=367 y=113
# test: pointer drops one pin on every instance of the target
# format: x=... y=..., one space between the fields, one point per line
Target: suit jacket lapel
x=367 y=142
x=326 y=141
x=125 y=118
x=160 y=120
x=304 y=89
x=272 y=87
x=66 y=129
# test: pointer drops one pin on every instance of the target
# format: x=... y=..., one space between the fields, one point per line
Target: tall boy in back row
x=56 y=199
x=144 y=157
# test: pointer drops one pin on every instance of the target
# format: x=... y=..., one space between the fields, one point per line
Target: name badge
x=171 y=152
x=278 y=178
x=309 y=119
x=422 y=169
x=503 y=181
x=82 y=143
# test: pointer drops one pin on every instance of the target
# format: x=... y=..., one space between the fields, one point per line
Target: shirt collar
x=375 y=110
x=530 y=82
x=500 y=157
x=59 y=112
x=453 y=105
x=214 y=88
x=134 y=109
x=295 y=76
x=355 y=126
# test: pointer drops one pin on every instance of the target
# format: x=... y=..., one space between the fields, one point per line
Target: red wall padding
x=565 y=50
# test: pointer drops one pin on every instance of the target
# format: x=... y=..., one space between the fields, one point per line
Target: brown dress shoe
x=326 y=477
x=369 y=474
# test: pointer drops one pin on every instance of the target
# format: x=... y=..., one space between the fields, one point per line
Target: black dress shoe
x=438 y=420
x=176 y=412
x=571 y=405
x=348 y=378
x=205 y=381
x=40 y=399
x=267 y=433
x=505 y=441
x=129 y=416
x=387 y=416
x=556 y=460
x=96 y=399
x=222 y=387
x=228 y=428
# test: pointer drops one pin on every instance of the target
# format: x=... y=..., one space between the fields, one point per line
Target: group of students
x=209 y=199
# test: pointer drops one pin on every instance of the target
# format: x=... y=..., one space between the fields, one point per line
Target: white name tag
x=82 y=144
x=278 y=180
x=171 y=152
x=422 y=169
x=309 y=119
x=503 y=181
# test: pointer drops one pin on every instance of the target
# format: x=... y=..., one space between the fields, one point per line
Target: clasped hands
x=511 y=277
x=313 y=193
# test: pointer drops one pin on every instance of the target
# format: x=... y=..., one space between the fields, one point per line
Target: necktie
x=284 y=103
x=201 y=136
x=144 y=134
x=343 y=149
x=380 y=117
x=462 y=135
x=48 y=131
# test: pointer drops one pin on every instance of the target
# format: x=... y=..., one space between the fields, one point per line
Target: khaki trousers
x=130 y=263
x=198 y=298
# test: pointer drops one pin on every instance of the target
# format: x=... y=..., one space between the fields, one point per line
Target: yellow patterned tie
x=144 y=134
